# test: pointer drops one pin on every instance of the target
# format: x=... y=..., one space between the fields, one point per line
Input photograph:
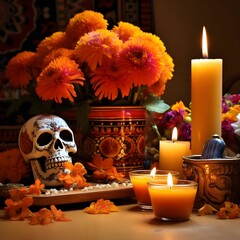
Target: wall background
x=179 y=24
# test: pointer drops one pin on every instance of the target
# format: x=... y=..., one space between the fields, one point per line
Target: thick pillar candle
x=206 y=93
x=171 y=154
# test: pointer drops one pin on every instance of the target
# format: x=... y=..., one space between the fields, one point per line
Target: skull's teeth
x=56 y=162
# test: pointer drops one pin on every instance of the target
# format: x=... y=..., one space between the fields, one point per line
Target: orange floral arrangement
x=90 y=63
x=13 y=166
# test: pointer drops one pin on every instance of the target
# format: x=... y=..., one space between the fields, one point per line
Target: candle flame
x=169 y=180
x=174 y=134
x=153 y=172
x=204 y=43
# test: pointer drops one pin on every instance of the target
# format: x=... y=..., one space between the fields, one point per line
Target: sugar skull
x=46 y=142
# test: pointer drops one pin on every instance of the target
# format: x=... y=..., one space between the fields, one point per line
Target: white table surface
x=129 y=223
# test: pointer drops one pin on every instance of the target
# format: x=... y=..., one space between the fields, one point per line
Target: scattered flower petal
x=101 y=207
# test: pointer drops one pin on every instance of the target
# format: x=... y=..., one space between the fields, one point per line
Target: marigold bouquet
x=87 y=63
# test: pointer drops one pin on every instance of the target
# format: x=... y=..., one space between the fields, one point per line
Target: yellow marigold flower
x=180 y=107
x=13 y=166
x=108 y=79
x=125 y=30
x=18 y=69
x=84 y=22
x=94 y=46
x=56 y=80
x=231 y=115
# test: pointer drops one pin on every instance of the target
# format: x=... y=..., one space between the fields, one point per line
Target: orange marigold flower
x=101 y=207
x=36 y=187
x=73 y=175
x=113 y=174
x=101 y=164
x=96 y=45
x=18 y=69
x=13 y=167
x=55 y=54
x=158 y=88
x=18 y=204
x=229 y=211
x=44 y=216
x=55 y=41
x=141 y=61
x=58 y=215
x=104 y=169
x=108 y=79
x=125 y=30
x=59 y=75
x=84 y=22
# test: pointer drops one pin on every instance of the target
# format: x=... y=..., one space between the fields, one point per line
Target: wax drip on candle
x=174 y=134
x=204 y=43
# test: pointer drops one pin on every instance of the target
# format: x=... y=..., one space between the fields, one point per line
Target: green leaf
x=155 y=104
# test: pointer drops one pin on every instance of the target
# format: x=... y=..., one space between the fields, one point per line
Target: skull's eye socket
x=66 y=135
x=44 y=139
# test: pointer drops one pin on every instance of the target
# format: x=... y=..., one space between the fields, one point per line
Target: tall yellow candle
x=206 y=98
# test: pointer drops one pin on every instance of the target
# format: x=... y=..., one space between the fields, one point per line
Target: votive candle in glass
x=172 y=202
x=139 y=180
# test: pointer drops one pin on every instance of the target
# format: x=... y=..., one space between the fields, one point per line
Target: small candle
x=140 y=178
x=171 y=153
x=172 y=202
x=206 y=98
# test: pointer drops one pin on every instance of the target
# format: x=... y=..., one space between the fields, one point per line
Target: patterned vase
x=114 y=132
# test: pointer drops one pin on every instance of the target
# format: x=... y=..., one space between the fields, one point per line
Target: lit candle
x=172 y=202
x=171 y=153
x=206 y=98
x=139 y=180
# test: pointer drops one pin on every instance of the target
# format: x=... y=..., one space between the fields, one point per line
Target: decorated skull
x=46 y=141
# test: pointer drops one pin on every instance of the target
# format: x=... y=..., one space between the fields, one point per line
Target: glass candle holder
x=140 y=179
x=172 y=203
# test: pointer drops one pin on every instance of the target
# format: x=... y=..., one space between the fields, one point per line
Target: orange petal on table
x=58 y=215
x=44 y=216
x=101 y=207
